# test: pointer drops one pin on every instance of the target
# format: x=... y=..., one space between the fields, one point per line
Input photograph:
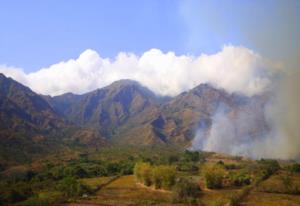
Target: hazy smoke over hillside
x=238 y=135
x=274 y=34
x=235 y=134
x=285 y=116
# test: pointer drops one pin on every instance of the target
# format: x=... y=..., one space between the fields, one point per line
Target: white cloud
x=234 y=68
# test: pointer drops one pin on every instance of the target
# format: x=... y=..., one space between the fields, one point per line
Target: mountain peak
x=205 y=86
x=124 y=82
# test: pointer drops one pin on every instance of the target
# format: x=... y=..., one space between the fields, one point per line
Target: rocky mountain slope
x=124 y=112
x=29 y=125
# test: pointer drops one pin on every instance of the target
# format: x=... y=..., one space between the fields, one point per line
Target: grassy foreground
x=151 y=176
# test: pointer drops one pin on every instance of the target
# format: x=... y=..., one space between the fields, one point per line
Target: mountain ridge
x=124 y=112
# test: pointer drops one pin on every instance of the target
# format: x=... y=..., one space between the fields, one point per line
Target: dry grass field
x=271 y=199
x=124 y=191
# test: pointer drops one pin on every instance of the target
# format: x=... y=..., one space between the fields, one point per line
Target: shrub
x=221 y=163
x=77 y=172
x=16 y=192
x=143 y=173
x=239 y=178
x=70 y=187
x=231 y=166
x=295 y=168
x=188 y=167
x=15 y=195
x=288 y=185
x=268 y=167
x=44 y=199
x=186 y=191
x=193 y=156
x=214 y=176
x=157 y=179
x=163 y=176
x=173 y=159
x=235 y=198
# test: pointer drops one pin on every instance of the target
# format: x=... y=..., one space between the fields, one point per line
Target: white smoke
x=266 y=131
x=234 y=68
x=240 y=133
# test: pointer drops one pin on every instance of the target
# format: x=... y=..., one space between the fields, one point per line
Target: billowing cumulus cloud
x=234 y=68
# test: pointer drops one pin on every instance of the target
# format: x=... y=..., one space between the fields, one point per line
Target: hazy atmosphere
x=208 y=76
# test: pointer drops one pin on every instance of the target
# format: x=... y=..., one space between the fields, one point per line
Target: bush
x=143 y=173
x=186 y=191
x=16 y=192
x=173 y=159
x=295 y=168
x=214 y=176
x=157 y=177
x=239 y=178
x=268 y=167
x=231 y=166
x=70 y=187
x=288 y=186
x=188 y=167
x=44 y=199
x=126 y=168
x=77 y=172
x=191 y=156
x=163 y=176
x=234 y=199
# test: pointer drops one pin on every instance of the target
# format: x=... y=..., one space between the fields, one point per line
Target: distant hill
x=124 y=112
x=177 y=120
x=29 y=125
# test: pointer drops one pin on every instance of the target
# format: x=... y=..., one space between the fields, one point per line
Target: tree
x=79 y=172
x=191 y=156
x=172 y=159
x=186 y=191
x=214 y=176
x=163 y=176
x=295 y=168
x=143 y=173
x=268 y=167
x=70 y=187
x=239 y=178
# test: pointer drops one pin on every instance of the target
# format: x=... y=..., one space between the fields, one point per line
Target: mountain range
x=124 y=112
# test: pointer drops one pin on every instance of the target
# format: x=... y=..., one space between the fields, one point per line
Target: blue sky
x=36 y=34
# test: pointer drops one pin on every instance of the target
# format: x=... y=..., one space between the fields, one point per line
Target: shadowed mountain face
x=108 y=108
x=26 y=120
x=177 y=121
x=127 y=113
x=186 y=113
x=23 y=110
x=124 y=112
x=29 y=125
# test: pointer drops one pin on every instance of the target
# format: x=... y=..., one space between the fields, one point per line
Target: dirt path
x=89 y=199
x=243 y=200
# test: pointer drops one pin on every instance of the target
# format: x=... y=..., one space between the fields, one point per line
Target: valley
x=149 y=103
x=127 y=176
x=125 y=145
